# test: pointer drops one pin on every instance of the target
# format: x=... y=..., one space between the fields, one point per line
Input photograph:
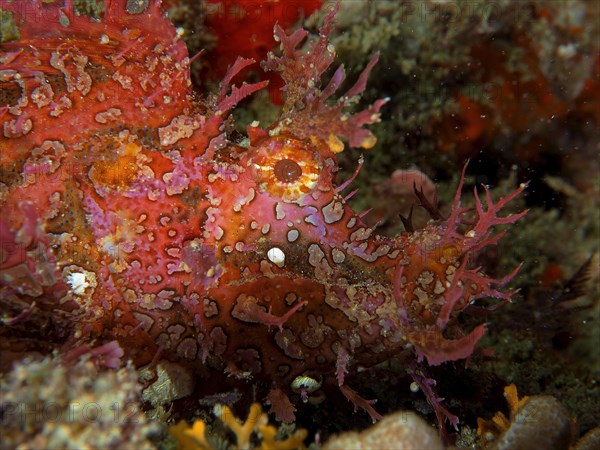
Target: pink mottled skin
x=125 y=205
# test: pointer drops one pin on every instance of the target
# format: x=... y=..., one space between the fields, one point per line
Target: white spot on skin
x=110 y=114
x=361 y=234
x=74 y=74
x=145 y=320
x=48 y=156
x=124 y=80
x=175 y=332
x=211 y=308
x=293 y=235
x=173 y=252
x=78 y=282
x=421 y=295
x=218 y=234
x=288 y=342
x=338 y=256
x=394 y=254
x=249 y=197
x=312 y=220
x=315 y=255
x=17 y=127
x=276 y=256
x=279 y=213
x=181 y=127
x=266 y=269
x=351 y=292
x=439 y=288
x=425 y=278
x=291 y=298
x=63 y=103
x=333 y=211
x=153 y=301
x=187 y=349
x=566 y=51
x=42 y=95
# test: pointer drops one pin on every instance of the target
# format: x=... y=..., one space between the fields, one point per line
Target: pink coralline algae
x=130 y=214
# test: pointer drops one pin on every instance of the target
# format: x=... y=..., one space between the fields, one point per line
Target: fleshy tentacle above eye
x=307 y=114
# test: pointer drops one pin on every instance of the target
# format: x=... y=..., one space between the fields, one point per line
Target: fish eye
x=286 y=167
x=287 y=170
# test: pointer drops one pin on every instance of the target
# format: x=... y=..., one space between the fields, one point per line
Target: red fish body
x=127 y=209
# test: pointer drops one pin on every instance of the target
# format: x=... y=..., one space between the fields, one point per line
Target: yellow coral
x=512 y=398
x=539 y=421
x=242 y=431
x=190 y=438
x=194 y=438
x=500 y=423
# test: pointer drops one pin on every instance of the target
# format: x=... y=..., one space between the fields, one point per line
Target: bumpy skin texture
x=126 y=209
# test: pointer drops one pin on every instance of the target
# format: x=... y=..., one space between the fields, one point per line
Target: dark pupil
x=287 y=171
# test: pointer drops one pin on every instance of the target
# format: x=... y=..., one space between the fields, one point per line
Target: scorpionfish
x=131 y=212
